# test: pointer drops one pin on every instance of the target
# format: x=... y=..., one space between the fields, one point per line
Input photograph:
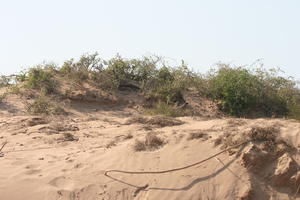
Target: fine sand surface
x=65 y=158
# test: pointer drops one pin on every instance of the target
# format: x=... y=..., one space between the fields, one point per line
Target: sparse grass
x=260 y=134
x=197 y=135
x=235 y=122
x=36 y=121
x=267 y=137
x=2 y=97
x=42 y=105
x=60 y=127
x=14 y=89
x=68 y=137
x=160 y=121
x=151 y=142
x=167 y=110
x=139 y=145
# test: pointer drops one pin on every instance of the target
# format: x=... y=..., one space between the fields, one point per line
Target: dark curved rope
x=175 y=169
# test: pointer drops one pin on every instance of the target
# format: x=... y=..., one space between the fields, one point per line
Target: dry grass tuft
x=139 y=145
x=160 y=121
x=60 y=127
x=263 y=133
x=36 y=121
x=236 y=122
x=266 y=137
x=151 y=142
x=197 y=135
x=42 y=105
x=68 y=137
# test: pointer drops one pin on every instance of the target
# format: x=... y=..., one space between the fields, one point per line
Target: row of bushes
x=239 y=91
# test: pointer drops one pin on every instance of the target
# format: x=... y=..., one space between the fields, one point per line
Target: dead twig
x=3 y=145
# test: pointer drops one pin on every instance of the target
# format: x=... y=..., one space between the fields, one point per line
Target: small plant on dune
x=68 y=137
x=139 y=145
x=160 y=121
x=151 y=142
x=42 y=79
x=162 y=108
x=197 y=135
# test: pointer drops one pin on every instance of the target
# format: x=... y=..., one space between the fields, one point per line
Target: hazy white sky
x=200 y=32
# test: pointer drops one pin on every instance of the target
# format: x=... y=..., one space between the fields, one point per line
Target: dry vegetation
x=158 y=121
x=150 y=143
x=238 y=91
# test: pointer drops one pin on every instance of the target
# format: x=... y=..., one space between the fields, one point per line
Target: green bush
x=244 y=93
x=42 y=79
x=80 y=71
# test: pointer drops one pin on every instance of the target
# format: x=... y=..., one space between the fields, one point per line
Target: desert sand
x=66 y=157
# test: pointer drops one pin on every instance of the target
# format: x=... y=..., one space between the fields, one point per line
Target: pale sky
x=197 y=31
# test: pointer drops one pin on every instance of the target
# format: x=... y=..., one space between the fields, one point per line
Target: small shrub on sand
x=162 y=108
x=263 y=133
x=151 y=142
x=197 y=135
x=139 y=145
x=42 y=105
x=41 y=79
x=68 y=137
x=267 y=137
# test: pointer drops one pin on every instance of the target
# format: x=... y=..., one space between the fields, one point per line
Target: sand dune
x=66 y=158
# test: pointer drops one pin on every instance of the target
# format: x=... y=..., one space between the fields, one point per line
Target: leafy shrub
x=42 y=79
x=243 y=92
x=81 y=70
x=105 y=80
x=133 y=71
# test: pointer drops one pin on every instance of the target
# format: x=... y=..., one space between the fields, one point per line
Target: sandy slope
x=39 y=164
